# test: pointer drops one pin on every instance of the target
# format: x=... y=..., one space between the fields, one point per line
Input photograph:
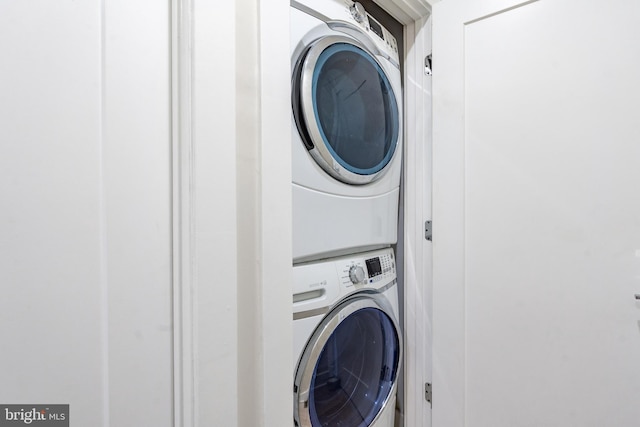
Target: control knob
x=358 y=12
x=356 y=274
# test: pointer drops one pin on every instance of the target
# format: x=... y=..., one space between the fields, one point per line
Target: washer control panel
x=375 y=269
x=321 y=284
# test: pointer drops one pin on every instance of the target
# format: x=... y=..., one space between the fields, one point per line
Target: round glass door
x=351 y=379
x=349 y=110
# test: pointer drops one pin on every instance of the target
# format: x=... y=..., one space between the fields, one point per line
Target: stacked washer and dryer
x=346 y=165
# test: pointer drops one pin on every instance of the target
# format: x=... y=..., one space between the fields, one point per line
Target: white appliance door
x=536 y=213
x=348 y=370
x=346 y=110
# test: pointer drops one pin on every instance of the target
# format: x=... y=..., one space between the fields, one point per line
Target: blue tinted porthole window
x=356 y=371
x=355 y=108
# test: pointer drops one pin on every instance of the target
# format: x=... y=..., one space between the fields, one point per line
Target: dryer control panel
x=353 y=13
x=383 y=38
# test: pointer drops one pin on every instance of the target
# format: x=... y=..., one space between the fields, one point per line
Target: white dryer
x=346 y=130
x=347 y=343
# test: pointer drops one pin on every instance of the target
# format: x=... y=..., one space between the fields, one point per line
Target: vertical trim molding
x=417 y=208
x=275 y=207
x=183 y=232
x=104 y=248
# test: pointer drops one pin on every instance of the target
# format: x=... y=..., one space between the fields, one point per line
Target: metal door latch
x=427 y=392
x=428 y=66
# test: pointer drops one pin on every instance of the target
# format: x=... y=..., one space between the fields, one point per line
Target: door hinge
x=427 y=392
x=428 y=229
x=428 y=65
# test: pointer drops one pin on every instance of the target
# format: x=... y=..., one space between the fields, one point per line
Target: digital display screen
x=373 y=266
x=375 y=27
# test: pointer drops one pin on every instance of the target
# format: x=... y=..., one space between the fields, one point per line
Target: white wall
x=51 y=248
x=85 y=315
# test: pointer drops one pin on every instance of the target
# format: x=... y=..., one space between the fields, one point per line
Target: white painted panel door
x=85 y=209
x=537 y=213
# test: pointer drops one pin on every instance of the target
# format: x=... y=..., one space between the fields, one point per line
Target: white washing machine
x=347 y=342
x=346 y=130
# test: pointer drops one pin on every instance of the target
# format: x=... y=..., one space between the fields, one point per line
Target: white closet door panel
x=137 y=184
x=536 y=161
x=85 y=248
x=50 y=241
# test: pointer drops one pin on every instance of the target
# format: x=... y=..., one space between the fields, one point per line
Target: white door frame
x=232 y=204
x=231 y=213
x=417 y=210
x=183 y=211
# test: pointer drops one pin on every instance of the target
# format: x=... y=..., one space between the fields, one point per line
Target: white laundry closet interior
x=348 y=142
